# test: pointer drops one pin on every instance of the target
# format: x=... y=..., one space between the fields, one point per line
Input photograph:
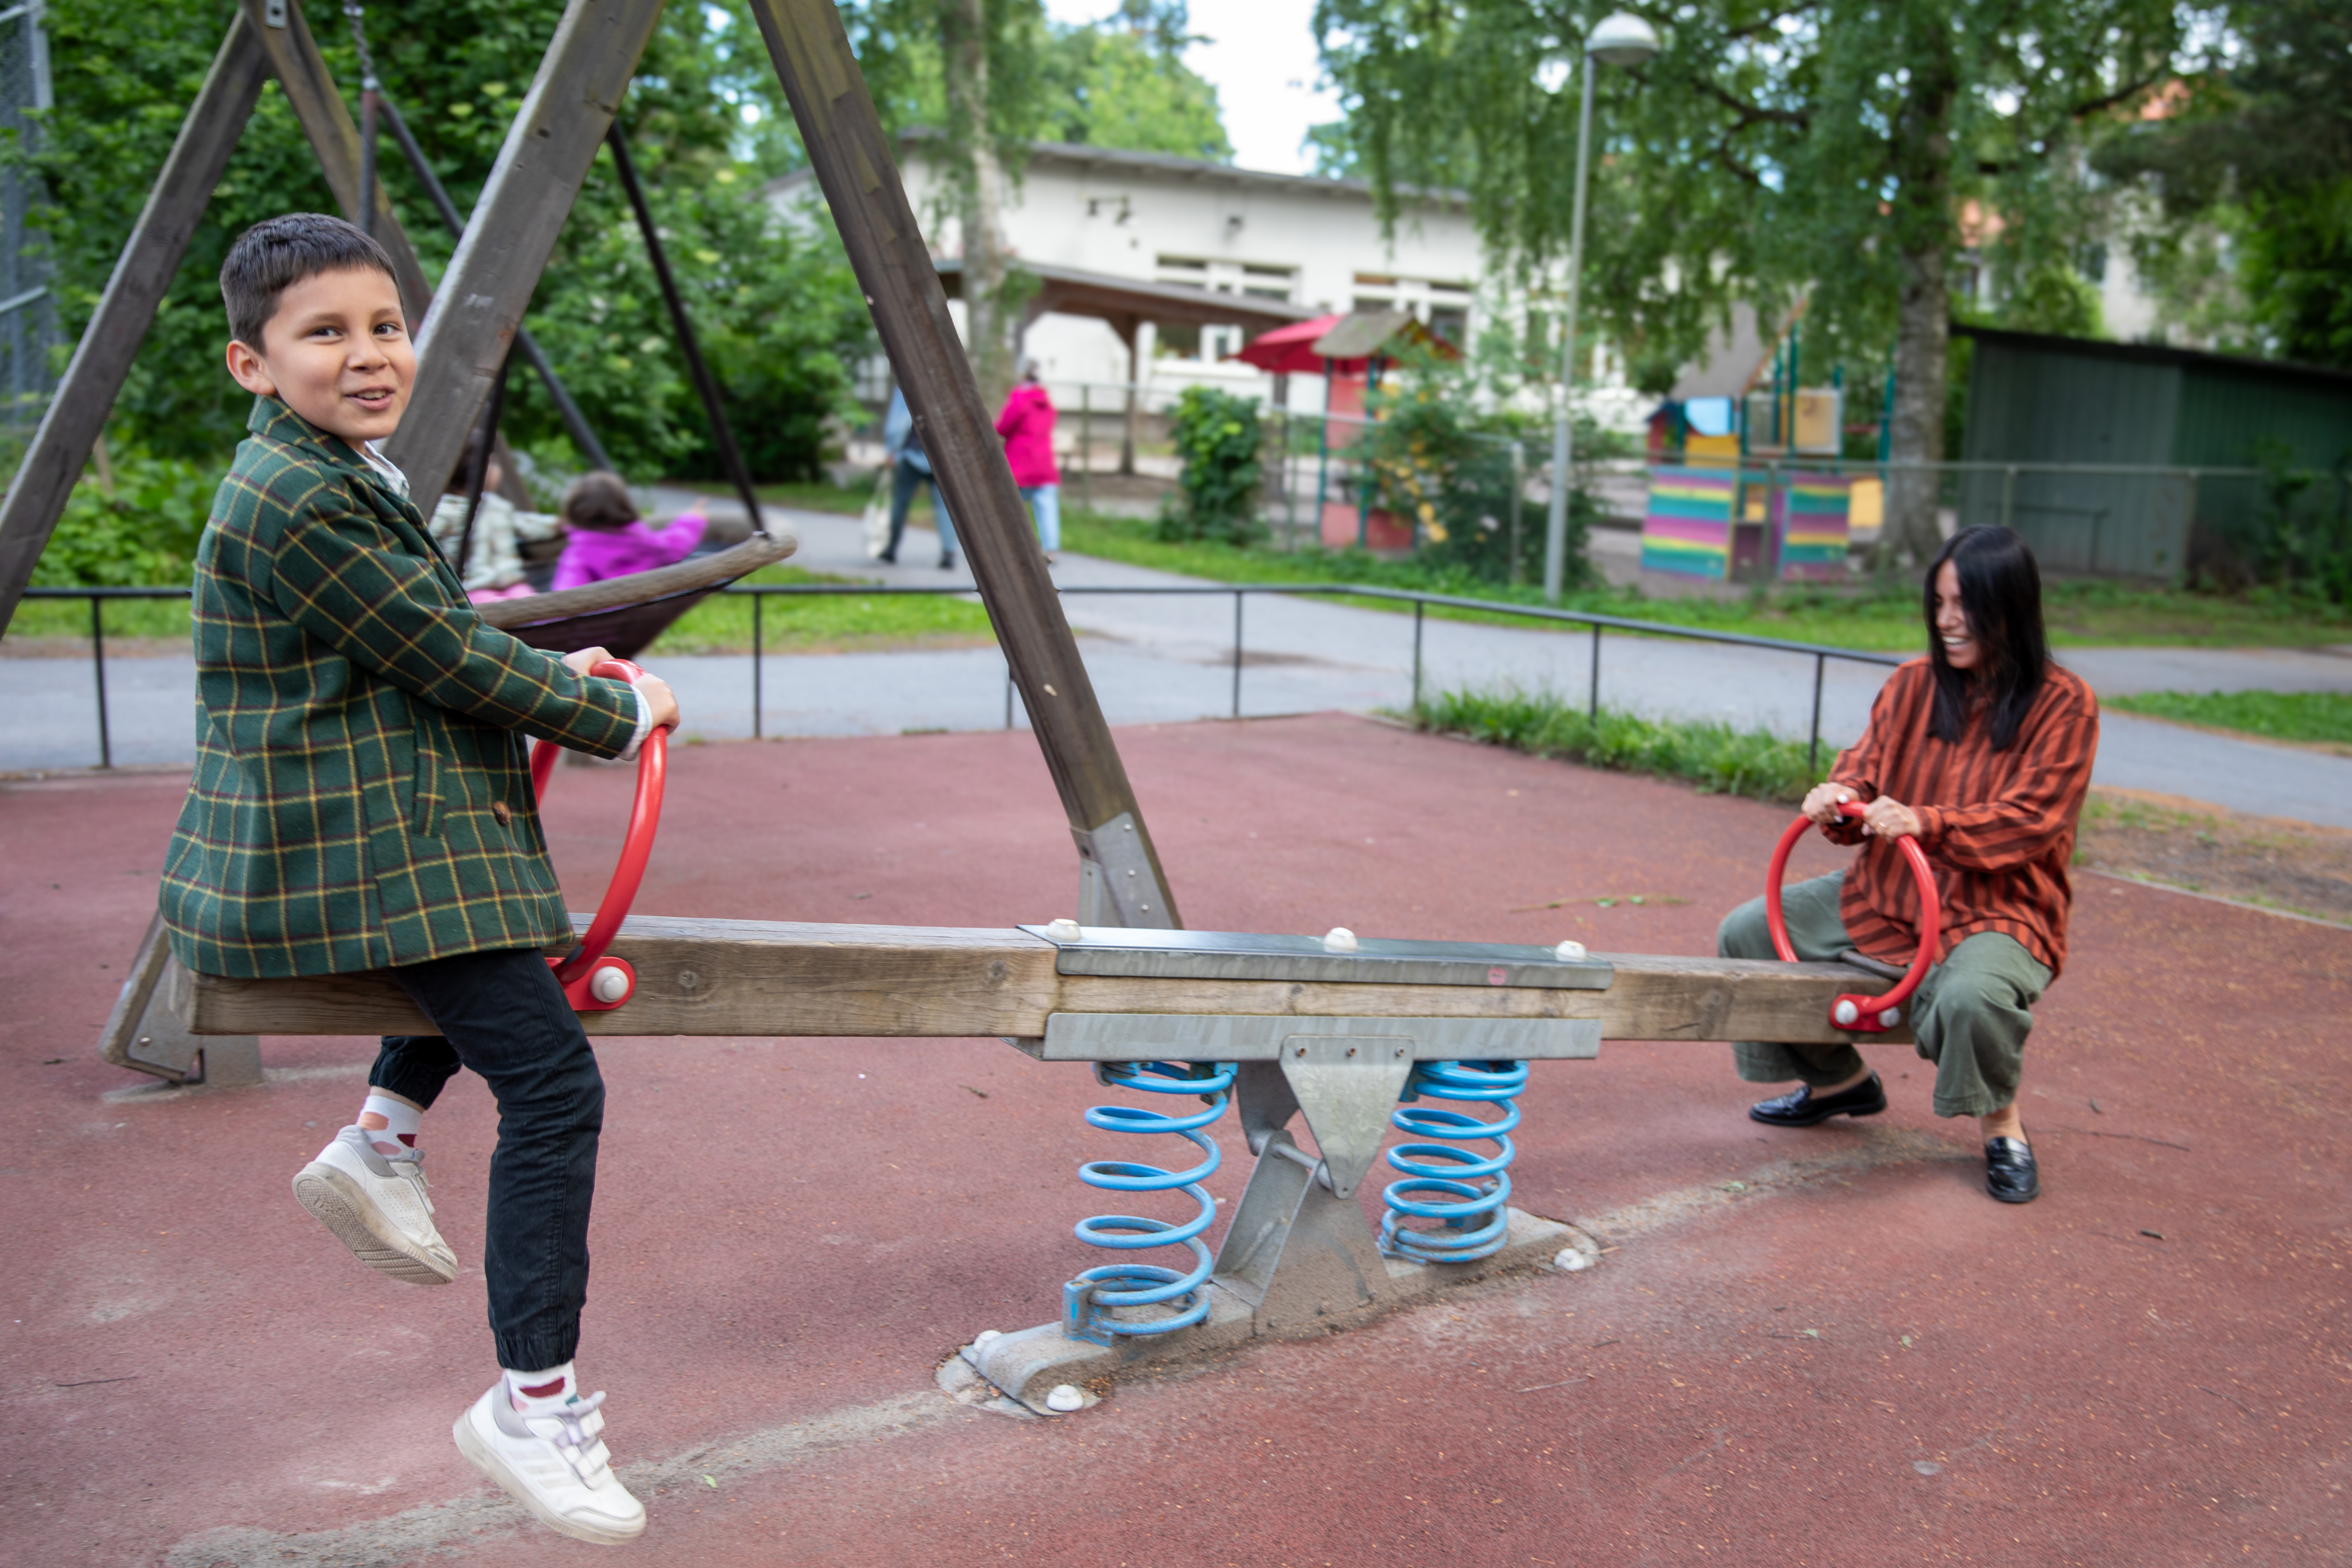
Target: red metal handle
x=1864 y=1015
x=593 y=982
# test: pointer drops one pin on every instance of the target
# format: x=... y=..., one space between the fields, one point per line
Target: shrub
x=1218 y=436
x=140 y=532
x=1716 y=758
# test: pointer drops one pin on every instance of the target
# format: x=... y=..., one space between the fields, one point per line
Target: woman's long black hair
x=2001 y=589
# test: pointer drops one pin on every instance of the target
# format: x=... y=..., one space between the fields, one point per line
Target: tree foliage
x=1774 y=149
x=780 y=315
x=2257 y=150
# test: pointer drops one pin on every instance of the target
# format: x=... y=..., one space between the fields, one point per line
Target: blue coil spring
x=1444 y=1181
x=1088 y=1301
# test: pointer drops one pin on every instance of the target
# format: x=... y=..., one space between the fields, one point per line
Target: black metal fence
x=1239 y=593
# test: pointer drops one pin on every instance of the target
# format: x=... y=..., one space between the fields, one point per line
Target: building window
x=1172 y=340
x=1450 y=322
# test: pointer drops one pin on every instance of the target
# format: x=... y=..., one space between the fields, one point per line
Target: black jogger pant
x=502 y=1015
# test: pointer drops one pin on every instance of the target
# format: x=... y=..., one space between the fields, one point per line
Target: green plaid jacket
x=362 y=789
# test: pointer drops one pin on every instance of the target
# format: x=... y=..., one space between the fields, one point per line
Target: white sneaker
x=375 y=1205
x=555 y=1465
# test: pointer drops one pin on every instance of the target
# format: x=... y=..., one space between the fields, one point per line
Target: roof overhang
x=1125 y=301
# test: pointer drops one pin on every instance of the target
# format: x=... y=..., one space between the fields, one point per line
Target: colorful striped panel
x=1688 y=529
x=1810 y=527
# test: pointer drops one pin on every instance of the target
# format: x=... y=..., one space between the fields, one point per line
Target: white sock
x=401 y=1120
x=540 y=1393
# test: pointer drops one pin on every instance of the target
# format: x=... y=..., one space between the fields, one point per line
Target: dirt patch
x=2262 y=860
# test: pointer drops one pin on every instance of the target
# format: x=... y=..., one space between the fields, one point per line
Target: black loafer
x=2010 y=1174
x=1804 y=1108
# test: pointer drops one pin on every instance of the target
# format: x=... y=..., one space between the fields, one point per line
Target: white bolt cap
x=1065 y=1399
x=1338 y=939
x=1844 y=1014
x=1892 y=1016
x=1568 y=952
x=985 y=1335
x=1572 y=1259
x=1062 y=931
x=611 y=983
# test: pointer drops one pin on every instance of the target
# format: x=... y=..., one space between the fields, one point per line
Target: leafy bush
x=141 y=532
x=780 y=318
x=1218 y=436
x=1716 y=758
x=1436 y=460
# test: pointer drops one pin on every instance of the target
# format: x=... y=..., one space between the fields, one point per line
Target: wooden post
x=490 y=281
x=318 y=105
x=85 y=393
x=1120 y=879
x=1130 y=330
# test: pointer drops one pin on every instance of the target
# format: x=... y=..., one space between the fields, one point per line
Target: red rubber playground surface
x=1816 y=1347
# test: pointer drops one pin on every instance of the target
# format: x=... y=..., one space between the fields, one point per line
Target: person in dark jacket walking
x=911 y=469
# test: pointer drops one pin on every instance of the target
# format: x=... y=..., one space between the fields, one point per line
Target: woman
x=1027 y=425
x=1982 y=752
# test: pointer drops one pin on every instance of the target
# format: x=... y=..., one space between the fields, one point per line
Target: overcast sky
x=1261 y=60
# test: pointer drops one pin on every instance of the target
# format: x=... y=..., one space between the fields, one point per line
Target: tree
x=782 y=316
x=2258 y=148
x=1124 y=83
x=994 y=76
x=1775 y=149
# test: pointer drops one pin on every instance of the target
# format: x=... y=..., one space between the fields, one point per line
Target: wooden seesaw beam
x=714 y=977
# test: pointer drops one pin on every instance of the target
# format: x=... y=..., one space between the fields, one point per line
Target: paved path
x=1168 y=658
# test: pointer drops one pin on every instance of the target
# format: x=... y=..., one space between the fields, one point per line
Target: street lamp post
x=1621 y=39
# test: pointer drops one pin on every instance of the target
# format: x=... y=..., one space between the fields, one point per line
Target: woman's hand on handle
x=1890 y=818
x=1822 y=801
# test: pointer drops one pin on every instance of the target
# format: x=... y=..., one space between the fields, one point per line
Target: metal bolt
x=1400 y=1050
x=1300 y=1051
x=1352 y=1051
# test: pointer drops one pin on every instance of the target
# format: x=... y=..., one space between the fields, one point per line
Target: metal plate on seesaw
x=1234 y=1038
x=1379 y=961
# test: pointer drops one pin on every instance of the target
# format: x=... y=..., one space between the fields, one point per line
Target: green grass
x=1716 y=758
x=2079 y=614
x=722 y=622
x=2324 y=717
x=67 y=620
x=818 y=495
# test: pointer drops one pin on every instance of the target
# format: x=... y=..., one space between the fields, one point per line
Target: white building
x=1161 y=222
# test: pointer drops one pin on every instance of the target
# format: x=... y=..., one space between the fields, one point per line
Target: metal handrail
x=759 y=592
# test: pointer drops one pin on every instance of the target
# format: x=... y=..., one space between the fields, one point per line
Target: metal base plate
x=1015 y=1372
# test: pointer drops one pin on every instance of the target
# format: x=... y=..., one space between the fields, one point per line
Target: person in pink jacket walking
x=609 y=540
x=1027 y=426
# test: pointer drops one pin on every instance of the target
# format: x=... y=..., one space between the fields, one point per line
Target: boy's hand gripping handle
x=593 y=982
x=1866 y=1015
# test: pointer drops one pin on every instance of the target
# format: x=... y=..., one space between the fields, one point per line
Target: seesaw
x=1356 y=1034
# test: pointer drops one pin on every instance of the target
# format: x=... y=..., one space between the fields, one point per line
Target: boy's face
x=337 y=351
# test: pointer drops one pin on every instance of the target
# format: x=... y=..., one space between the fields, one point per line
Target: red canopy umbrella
x=1291 y=350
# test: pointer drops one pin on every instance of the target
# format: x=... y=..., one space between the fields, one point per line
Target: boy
x=362 y=800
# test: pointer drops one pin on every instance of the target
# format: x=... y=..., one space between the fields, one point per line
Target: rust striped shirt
x=1999 y=826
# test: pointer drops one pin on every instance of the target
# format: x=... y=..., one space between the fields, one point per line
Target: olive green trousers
x=1970 y=1015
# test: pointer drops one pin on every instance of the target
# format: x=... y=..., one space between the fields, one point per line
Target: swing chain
x=353 y=11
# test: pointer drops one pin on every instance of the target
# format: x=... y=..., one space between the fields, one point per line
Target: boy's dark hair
x=599 y=498
x=2001 y=589
x=278 y=253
